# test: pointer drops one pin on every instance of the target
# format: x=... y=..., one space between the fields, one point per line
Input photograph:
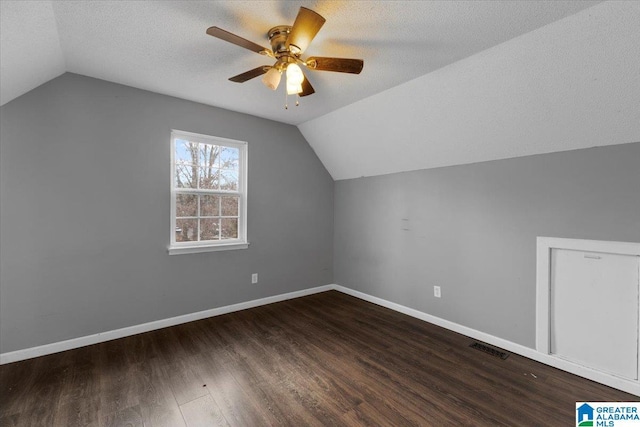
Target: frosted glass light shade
x=295 y=77
x=272 y=78
x=292 y=89
x=294 y=74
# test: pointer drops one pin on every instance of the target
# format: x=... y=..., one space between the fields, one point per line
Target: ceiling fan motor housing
x=278 y=39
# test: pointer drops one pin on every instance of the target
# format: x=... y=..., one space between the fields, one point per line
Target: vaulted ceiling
x=444 y=82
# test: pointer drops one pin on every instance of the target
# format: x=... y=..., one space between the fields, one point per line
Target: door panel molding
x=545 y=246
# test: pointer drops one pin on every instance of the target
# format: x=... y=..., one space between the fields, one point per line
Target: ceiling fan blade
x=305 y=28
x=339 y=65
x=237 y=40
x=248 y=75
x=307 y=89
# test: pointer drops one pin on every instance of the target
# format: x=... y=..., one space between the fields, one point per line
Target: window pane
x=209 y=156
x=230 y=158
x=230 y=205
x=209 y=205
x=209 y=228
x=209 y=178
x=229 y=229
x=186 y=176
x=186 y=205
x=229 y=180
x=186 y=152
x=186 y=230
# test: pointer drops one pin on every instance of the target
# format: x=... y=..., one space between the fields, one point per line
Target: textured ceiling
x=30 y=52
x=162 y=46
x=572 y=84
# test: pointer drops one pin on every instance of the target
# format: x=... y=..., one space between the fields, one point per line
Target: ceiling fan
x=287 y=45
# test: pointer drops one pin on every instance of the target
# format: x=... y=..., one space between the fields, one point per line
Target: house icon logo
x=584 y=416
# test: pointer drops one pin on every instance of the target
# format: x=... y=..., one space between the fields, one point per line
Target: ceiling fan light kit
x=288 y=43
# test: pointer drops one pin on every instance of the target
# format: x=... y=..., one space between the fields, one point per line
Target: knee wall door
x=593 y=302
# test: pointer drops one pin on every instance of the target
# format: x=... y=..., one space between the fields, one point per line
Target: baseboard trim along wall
x=611 y=381
x=57 y=347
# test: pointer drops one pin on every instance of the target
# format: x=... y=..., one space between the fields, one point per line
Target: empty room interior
x=255 y=213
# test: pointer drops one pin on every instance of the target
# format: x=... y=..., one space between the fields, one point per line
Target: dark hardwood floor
x=325 y=359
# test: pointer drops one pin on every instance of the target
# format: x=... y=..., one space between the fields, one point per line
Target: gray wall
x=472 y=230
x=85 y=212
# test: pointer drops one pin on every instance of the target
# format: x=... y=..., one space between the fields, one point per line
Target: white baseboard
x=57 y=347
x=609 y=380
x=600 y=377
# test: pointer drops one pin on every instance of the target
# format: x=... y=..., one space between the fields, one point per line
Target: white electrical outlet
x=254 y=278
x=436 y=292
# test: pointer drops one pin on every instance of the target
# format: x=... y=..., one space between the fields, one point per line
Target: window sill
x=194 y=249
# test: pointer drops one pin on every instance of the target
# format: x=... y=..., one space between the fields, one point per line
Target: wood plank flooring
x=325 y=359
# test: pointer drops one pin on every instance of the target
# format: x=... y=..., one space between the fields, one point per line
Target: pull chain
x=286 y=100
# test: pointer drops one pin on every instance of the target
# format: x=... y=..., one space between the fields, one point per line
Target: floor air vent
x=489 y=350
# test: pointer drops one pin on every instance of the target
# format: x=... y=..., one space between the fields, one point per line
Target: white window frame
x=210 y=245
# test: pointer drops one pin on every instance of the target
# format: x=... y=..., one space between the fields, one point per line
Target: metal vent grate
x=489 y=350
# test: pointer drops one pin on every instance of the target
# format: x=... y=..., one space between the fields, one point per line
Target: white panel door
x=594 y=310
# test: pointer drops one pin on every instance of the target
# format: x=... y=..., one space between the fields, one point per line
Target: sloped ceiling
x=444 y=82
x=30 y=52
x=572 y=84
x=162 y=46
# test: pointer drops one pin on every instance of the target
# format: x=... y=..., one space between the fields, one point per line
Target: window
x=208 y=193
